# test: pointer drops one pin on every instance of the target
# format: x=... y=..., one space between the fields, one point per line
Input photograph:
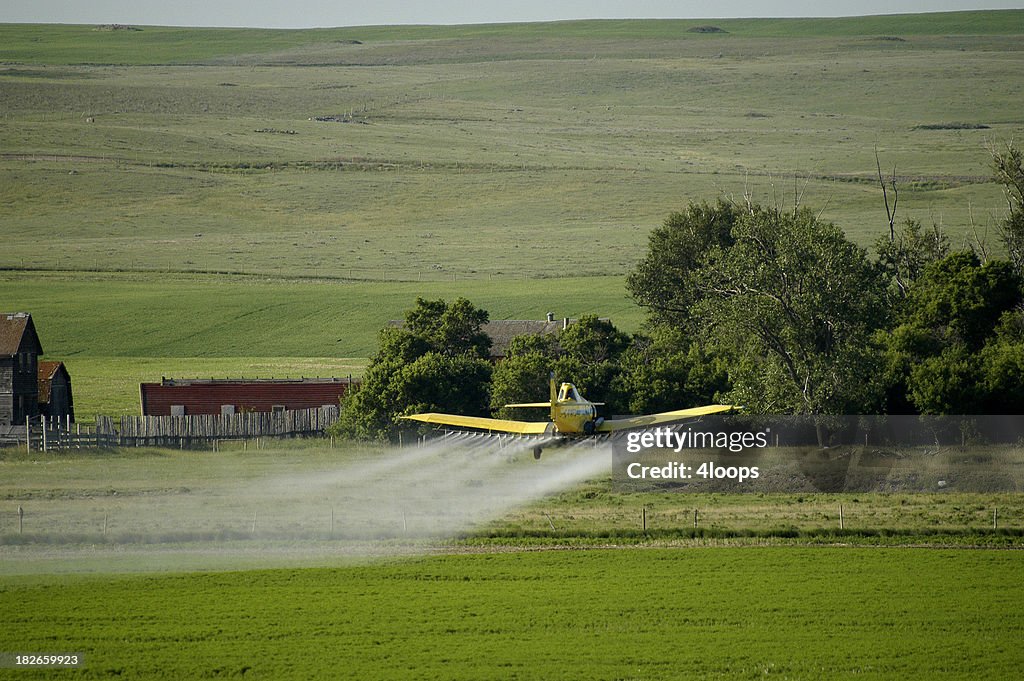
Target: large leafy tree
x=434 y=362
x=904 y=255
x=523 y=375
x=785 y=299
x=449 y=329
x=590 y=351
x=669 y=280
x=794 y=304
x=664 y=370
x=1002 y=362
x=956 y=346
x=586 y=353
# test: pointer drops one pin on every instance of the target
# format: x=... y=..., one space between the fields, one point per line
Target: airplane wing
x=663 y=417
x=480 y=423
x=546 y=404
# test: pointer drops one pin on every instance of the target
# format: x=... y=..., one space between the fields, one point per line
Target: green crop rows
x=650 y=614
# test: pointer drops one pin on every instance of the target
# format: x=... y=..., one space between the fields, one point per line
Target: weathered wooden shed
x=186 y=397
x=502 y=331
x=19 y=364
x=55 y=398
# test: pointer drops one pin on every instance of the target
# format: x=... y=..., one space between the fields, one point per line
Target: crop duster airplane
x=571 y=416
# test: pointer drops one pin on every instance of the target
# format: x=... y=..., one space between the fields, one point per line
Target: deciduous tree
x=665 y=370
x=434 y=362
x=668 y=281
x=794 y=304
x=1009 y=171
x=956 y=334
x=523 y=375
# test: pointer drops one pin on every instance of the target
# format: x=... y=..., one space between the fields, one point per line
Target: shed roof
x=252 y=381
x=47 y=371
x=502 y=331
x=14 y=326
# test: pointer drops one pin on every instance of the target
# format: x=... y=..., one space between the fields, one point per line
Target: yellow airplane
x=571 y=416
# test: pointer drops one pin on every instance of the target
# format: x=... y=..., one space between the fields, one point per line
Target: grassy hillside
x=70 y=44
x=495 y=169
x=124 y=315
x=342 y=172
x=116 y=330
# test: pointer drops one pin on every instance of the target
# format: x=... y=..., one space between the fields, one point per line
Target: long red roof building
x=185 y=397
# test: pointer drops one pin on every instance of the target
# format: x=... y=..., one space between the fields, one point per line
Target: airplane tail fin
x=553 y=389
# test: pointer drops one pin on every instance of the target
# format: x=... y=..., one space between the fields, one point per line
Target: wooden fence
x=201 y=428
x=45 y=434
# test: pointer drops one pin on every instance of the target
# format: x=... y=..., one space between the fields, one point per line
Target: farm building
x=29 y=387
x=502 y=331
x=55 y=399
x=19 y=363
x=187 y=397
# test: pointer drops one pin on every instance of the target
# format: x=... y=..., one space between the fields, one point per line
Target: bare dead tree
x=798 y=190
x=748 y=196
x=980 y=240
x=889 y=212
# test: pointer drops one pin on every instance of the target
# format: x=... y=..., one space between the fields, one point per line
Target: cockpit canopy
x=568 y=393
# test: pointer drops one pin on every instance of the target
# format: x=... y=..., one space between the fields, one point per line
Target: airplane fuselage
x=574 y=418
x=570 y=412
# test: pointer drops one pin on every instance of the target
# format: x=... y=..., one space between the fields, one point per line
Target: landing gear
x=536 y=452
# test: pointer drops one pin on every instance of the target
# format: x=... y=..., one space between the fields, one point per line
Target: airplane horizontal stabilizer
x=480 y=423
x=531 y=404
x=610 y=425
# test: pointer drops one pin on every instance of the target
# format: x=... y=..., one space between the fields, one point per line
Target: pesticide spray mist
x=440 y=489
x=294 y=505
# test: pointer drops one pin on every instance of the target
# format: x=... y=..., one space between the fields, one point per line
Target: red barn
x=183 y=397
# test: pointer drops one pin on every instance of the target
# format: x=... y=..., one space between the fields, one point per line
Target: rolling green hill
x=139 y=45
x=343 y=172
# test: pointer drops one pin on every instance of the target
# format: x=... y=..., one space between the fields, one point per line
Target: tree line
x=775 y=310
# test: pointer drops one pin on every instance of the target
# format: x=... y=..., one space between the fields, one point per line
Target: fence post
x=28 y=436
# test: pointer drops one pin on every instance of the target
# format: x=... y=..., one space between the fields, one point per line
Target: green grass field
x=115 y=330
x=503 y=169
x=639 y=614
x=142 y=560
